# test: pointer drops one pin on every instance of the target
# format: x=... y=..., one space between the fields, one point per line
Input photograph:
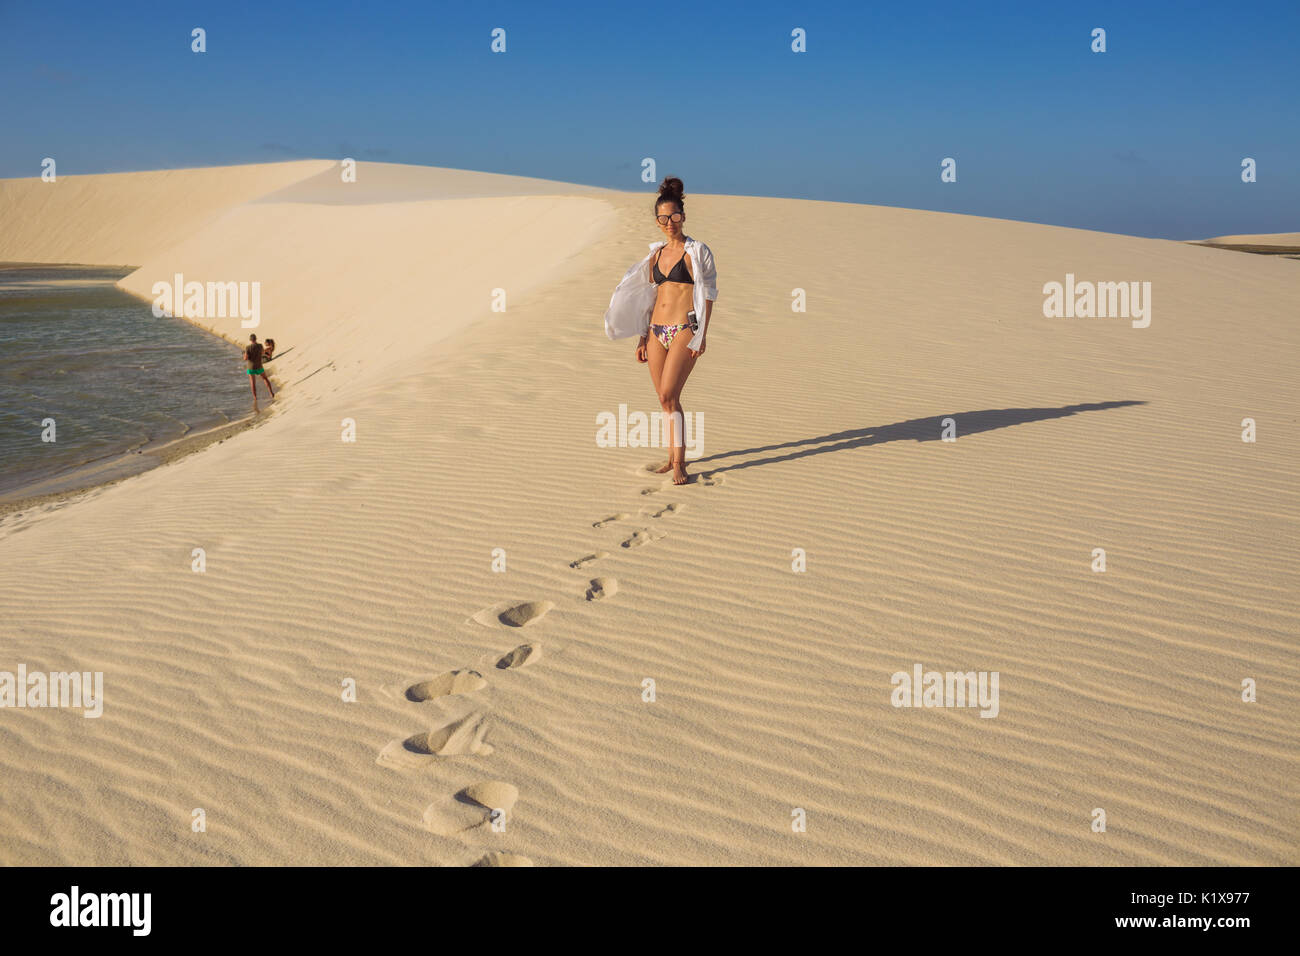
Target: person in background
x=269 y=352
x=253 y=358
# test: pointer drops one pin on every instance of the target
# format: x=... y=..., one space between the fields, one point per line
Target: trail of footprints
x=481 y=805
x=478 y=806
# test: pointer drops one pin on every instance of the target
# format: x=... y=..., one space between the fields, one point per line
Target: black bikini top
x=678 y=273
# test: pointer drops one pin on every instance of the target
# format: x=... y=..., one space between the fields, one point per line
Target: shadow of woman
x=915 y=429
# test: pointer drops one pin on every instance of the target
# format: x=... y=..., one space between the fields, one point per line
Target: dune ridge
x=372 y=561
x=123 y=218
x=1258 y=239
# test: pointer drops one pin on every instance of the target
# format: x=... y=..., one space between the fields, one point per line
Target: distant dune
x=1285 y=244
x=1262 y=239
x=124 y=218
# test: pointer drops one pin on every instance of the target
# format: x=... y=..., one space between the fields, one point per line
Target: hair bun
x=671 y=190
x=672 y=187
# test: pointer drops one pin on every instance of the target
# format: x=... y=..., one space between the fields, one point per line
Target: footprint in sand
x=513 y=614
x=706 y=478
x=644 y=536
x=521 y=656
x=601 y=588
x=445 y=685
x=610 y=520
x=665 y=511
x=462 y=736
x=455 y=738
x=497 y=858
x=475 y=806
x=584 y=561
x=649 y=491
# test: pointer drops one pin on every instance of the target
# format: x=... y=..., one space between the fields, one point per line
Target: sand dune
x=124 y=218
x=522 y=691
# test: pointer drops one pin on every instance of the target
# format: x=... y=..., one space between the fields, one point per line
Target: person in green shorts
x=253 y=365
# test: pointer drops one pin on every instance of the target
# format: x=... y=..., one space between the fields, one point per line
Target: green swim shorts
x=254 y=371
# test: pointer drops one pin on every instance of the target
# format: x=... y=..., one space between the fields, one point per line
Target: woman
x=667 y=300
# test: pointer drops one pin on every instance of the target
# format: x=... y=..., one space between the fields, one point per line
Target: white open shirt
x=633 y=301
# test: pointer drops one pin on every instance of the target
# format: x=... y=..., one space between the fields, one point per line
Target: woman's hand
x=640 y=351
x=697 y=353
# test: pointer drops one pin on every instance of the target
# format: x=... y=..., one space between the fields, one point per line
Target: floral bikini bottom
x=666 y=333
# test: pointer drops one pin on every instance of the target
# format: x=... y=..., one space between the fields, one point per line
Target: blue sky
x=1145 y=139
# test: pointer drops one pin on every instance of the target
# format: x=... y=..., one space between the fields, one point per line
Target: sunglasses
x=675 y=217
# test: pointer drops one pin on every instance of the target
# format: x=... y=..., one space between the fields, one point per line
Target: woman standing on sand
x=667 y=300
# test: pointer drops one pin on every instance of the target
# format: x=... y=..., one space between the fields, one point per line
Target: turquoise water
x=115 y=379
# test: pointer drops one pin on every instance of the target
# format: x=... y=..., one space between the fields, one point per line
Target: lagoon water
x=115 y=379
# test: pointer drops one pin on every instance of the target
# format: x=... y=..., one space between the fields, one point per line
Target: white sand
x=476 y=430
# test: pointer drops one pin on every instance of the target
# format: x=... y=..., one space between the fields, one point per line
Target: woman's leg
x=656 y=355
x=672 y=379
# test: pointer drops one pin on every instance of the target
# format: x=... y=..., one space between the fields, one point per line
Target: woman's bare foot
x=679 y=472
x=664 y=468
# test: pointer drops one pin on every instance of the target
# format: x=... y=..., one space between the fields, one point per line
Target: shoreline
x=80 y=481
x=86 y=479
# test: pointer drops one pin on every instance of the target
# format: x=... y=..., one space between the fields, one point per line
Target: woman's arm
x=704 y=336
x=709 y=276
x=645 y=336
